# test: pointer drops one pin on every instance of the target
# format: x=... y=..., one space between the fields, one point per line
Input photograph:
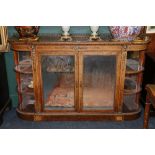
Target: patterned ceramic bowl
x=125 y=33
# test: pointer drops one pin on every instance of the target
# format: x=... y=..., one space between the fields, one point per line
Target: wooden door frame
x=52 y=52
x=120 y=75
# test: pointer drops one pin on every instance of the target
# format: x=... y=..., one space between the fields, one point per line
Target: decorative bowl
x=125 y=33
x=27 y=32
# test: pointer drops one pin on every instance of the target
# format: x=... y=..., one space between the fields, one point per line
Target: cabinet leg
x=146 y=115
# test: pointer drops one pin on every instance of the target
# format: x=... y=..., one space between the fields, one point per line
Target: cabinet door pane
x=58 y=78
x=99 y=77
x=25 y=87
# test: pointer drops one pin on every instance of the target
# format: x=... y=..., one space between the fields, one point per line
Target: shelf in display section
x=128 y=107
x=60 y=70
x=26 y=79
x=25 y=62
x=28 y=108
x=131 y=86
x=26 y=91
x=24 y=66
x=133 y=67
x=25 y=69
x=28 y=103
x=130 y=104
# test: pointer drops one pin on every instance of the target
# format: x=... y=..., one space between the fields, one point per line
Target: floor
x=11 y=121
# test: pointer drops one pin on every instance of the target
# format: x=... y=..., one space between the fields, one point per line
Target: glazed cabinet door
x=59 y=83
x=100 y=81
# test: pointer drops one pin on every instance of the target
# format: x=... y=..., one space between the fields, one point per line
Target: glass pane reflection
x=58 y=82
x=99 y=82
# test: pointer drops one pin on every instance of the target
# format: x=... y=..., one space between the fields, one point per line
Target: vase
x=65 y=30
x=94 y=30
x=125 y=33
x=66 y=36
x=27 y=32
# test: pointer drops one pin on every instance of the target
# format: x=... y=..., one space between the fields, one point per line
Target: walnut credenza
x=78 y=79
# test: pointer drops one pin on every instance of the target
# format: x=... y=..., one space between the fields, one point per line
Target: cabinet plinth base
x=75 y=116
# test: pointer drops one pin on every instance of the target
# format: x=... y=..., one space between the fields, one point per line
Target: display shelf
x=28 y=103
x=57 y=70
x=135 y=91
x=24 y=66
x=66 y=108
x=130 y=103
x=26 y=91
x=133 y=67
x=25 y=69
x=58 y=63
x=27 y=61
x=127 y=107
x=29 y=108
x=131 y=86
x=26 y=79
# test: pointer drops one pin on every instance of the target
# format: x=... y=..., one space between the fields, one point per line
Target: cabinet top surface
x=76 y=39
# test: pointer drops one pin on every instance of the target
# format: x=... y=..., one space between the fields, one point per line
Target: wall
x=43 y=29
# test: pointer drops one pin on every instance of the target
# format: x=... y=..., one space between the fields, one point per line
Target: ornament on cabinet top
x=125 y=33
x=94 y=35
x=28 y=32
x=66 y=36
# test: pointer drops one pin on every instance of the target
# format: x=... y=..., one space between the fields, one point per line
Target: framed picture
x=150 y=29
x=3 y=39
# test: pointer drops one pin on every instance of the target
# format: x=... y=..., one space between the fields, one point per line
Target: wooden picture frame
x=150 y=29
x=3 y=39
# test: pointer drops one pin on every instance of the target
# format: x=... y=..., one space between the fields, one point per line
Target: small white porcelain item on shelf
x=94 y=30
x=65 y=30
x=94 y=35
x=30 y=85
x=66 y=35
